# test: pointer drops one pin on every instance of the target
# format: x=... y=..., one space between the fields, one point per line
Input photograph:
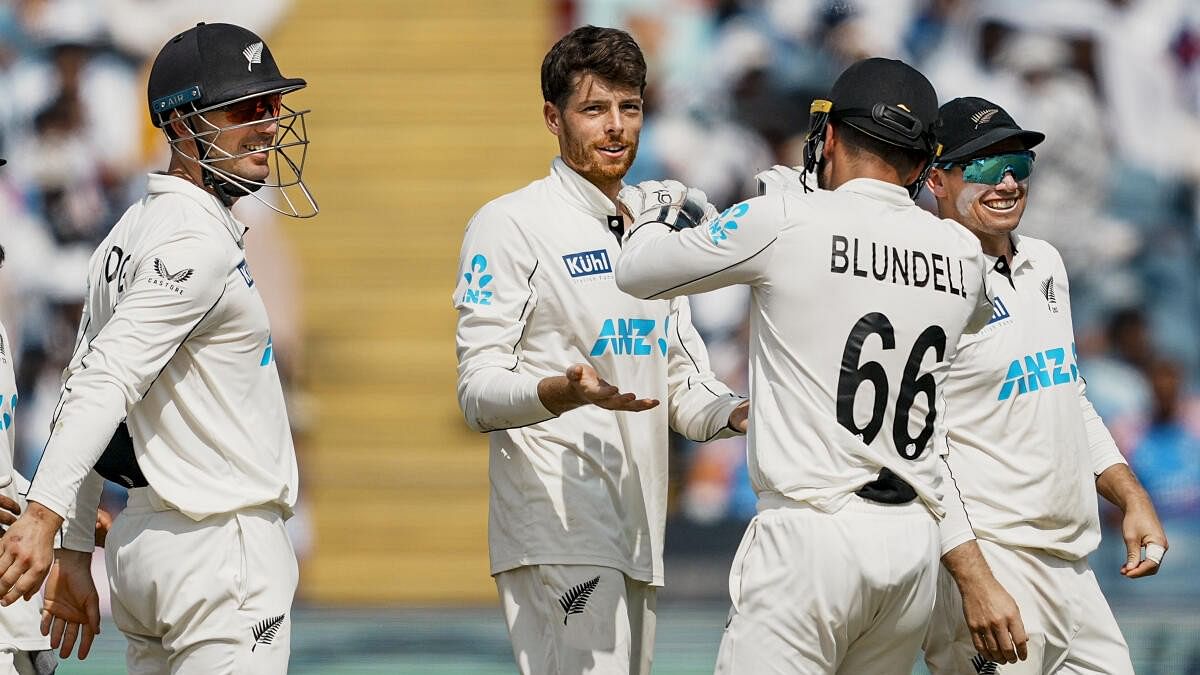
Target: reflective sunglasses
x=254 y=109
x=990 y=170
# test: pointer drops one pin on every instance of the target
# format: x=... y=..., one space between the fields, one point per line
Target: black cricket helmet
x=221 y=66
x=886 y=99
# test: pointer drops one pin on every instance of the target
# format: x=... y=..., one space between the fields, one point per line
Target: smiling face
x=990 y=211
x=598 y=130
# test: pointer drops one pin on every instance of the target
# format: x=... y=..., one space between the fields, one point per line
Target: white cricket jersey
x=536 y=295
x=20 y=622
x=174 y=341
x=858 y=298
x=1025 y=443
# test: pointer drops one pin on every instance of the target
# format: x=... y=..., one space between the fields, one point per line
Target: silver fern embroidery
x=265 y=630
x=985 y=667
x=984 y=116
x=253 y=54
x=178 y=277
x=575 y=599
x=1048 y=290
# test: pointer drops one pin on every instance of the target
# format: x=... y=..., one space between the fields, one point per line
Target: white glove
x=669 y=202
x=777 y=178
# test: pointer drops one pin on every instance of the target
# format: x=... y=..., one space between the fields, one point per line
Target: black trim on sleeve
x=950 y=472
x=695 y=366
x=185 y=339
x=745 y=260
x=521 y=316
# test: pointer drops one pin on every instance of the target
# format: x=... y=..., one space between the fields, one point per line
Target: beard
x=582 y=155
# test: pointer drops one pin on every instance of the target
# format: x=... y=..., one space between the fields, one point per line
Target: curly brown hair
x=610 y=54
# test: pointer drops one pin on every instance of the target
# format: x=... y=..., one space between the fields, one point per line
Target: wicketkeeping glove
x=777 y=178
x=669 y=202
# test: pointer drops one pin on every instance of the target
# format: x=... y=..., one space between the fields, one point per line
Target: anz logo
x=477 y=282
x=8 y=408
x=631 y=337
x=726 y=223
x=1041 y=370
x=268 y=356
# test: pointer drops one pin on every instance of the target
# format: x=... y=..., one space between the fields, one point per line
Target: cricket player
x=858 y=299
x=578 y=467
x=173 y=391
x=23 y=650
x=1027 y=451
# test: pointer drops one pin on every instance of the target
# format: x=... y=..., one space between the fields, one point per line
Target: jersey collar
x=161 y=183
x=877 y=189
x=580 y=191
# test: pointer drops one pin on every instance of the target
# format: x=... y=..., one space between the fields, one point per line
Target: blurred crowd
x=75 y=129
x=1114 y=84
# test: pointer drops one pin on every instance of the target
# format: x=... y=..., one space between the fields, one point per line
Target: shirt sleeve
x=734 y=248
x=1101 y=446
x=954 y=529
x=494 y=297
x=699 y=403
x=151 y=320
x=79 y=526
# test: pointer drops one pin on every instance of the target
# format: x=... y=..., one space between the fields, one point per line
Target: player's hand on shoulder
x=666 y=201
x=594 y=390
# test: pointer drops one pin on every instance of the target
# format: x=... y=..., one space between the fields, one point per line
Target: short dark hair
x=903 y=160
x=610 y=54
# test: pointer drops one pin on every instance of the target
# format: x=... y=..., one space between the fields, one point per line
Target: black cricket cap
x=212 y=64
x=887 y=99
x=968 y=125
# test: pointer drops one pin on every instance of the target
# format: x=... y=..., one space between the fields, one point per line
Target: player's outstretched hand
x=26 y=551
x=591 y=388
x=1141 y=529
x=71 y=610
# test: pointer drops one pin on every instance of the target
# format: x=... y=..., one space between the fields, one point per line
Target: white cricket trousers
x=818 y=593
x=209 y=597
x=578 y=620
x=1071 y=629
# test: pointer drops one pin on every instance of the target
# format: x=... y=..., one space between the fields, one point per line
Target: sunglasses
x=990 y=170
x=254 y=109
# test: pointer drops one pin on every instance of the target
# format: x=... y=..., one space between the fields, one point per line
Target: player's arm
x=734 y=247
x=1140 y=527
x=150 y=322
x=700 y=406
x=991 y=613
x=495 y=295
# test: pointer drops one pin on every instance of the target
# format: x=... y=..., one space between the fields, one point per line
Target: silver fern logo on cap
x=253 y=54
x=984 y=116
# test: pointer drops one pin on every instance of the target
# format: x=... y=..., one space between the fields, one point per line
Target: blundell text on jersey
x=896 y=265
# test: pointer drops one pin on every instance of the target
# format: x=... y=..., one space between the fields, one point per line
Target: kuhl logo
x=476 y=281
x=726 y=223
x=1039 y=371
x=630 y=337
x=574 y=601
x=587 y=263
